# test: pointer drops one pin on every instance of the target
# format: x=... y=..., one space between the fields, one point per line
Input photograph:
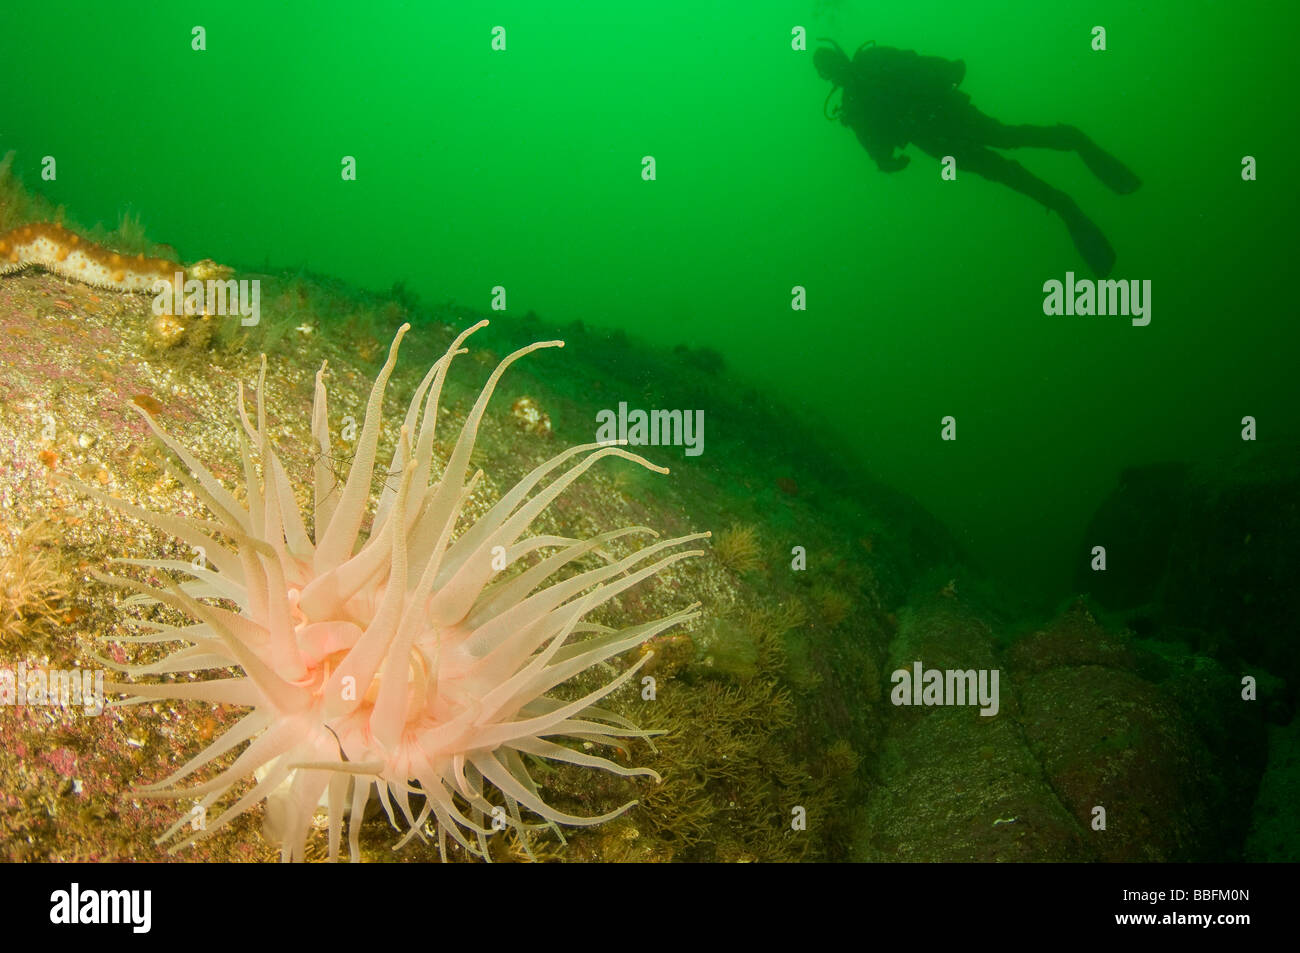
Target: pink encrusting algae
x=399 y=661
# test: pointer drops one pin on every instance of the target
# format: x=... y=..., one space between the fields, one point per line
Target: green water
x=522 y=168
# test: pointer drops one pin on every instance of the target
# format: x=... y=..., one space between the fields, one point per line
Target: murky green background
x=523 y=168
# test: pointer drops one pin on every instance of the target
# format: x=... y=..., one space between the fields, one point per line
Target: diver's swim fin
x=1114 y=174
x=1091 y=243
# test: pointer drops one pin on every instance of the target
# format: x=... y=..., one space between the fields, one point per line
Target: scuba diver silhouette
x=893 y=97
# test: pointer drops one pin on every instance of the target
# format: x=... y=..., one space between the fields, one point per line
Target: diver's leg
x=1088 y=239
x=1112 y=173
x=1002 y=136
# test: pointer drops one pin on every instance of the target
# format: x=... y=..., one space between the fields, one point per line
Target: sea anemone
x=402 y=659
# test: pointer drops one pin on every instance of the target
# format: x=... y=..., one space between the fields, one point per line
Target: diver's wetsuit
x=893 y=97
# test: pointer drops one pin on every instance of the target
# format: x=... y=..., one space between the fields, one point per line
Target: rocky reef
x=766 y=721
x=779 y=739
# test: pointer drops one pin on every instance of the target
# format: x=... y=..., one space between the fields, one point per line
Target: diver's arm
x=893 y=163
x=882 y=155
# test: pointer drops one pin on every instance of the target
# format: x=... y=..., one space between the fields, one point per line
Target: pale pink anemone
x=401 y=659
